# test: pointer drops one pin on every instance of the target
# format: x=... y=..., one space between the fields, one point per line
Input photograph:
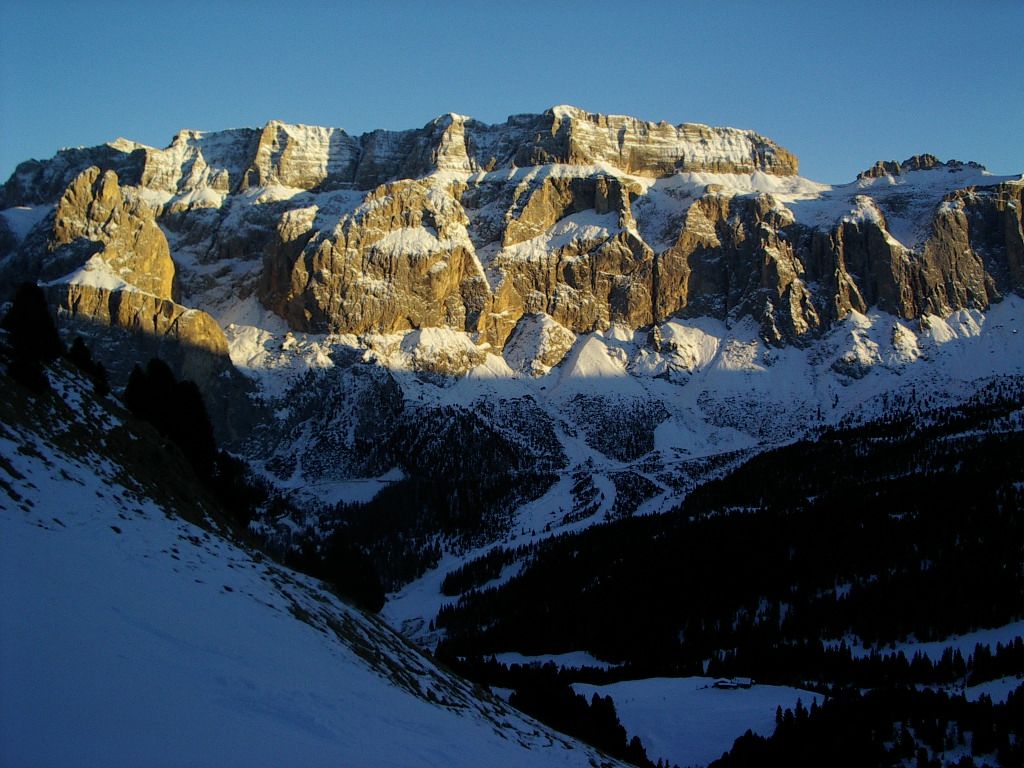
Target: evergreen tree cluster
x=80 y=356
x=890 y=727
x=34 y=343
x=596 y=722
x=341 y=563
x=827 y=668
x=403 y=526
x=917 y=533
x=177 y=411
x=463 y=480
x=544 y=692
x=478 y=571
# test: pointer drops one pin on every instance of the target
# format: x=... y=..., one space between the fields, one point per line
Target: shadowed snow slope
x=133 y=637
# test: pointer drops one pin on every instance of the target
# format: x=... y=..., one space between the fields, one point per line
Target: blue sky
x=841 y=84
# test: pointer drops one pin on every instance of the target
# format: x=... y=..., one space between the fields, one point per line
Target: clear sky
x=841 y=84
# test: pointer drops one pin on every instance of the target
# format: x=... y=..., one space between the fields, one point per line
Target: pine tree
x=30 y=325
x=635 y=752
x=80 y=356
x=100 y=382
x=136 y=393
x=33 y=337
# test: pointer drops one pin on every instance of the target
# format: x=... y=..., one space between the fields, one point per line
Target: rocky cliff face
x=106 y=264
x=94 y=209
x=571 y=136
x=401 y=260
x=565 y=220
x=93 y=217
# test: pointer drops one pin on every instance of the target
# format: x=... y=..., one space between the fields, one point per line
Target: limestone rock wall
x=94 y=208
x=127 y=327
x=302 y=156
x=318 y=158
x=142 y=313
x=735 y=257
x=401 y=260
x=996 y=232
x=570 y=135
x=198 y=169
x=94 y=216
x=106 y=264
x=480 y=228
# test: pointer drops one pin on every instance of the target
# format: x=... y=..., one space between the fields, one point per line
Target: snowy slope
x=133 y=637
x=687 y=721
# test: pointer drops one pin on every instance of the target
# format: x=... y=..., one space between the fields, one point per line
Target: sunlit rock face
x=571 y=136
x=93 y=216
x=588 y=220
x=402 y=259
x=106 y=263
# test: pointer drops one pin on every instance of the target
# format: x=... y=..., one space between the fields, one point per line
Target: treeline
x=890 y=727
x=474 y=573
x=405 y=524
x=827 y=668
x=880 y=533
x=464 y=477
x=596 y=722
x=545 y=693
x=176 y=410
x=340 y=562
x=913 y=411
x=811 y=665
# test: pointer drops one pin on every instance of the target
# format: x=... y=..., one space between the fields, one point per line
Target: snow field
x=689 y=722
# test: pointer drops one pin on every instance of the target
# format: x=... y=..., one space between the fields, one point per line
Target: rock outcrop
x=994 y=218
x=106 y=264
x=94 y=209
x=572 y=136
x=93 y=216
x=302 y=156
x=538 y=344
x=142 y=313
x=401 y=260
x=36 y=182
x=971 y=257
x=734 y=256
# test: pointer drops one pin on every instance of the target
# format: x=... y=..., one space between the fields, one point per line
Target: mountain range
x=453 y=344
